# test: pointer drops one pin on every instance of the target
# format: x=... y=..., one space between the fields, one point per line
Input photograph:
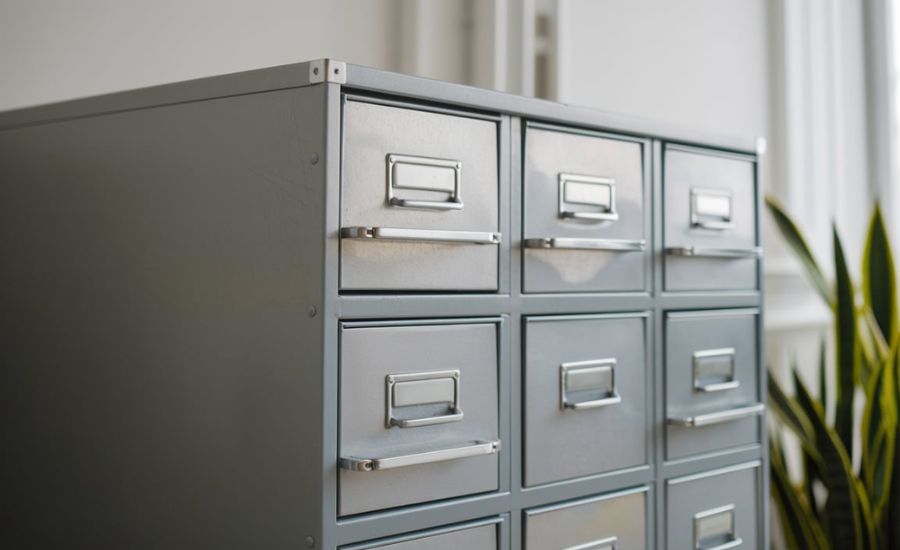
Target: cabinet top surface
x=366 y=79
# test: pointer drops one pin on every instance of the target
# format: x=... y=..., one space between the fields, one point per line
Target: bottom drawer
x=615 y=521
x=479 y=535
x=714 y=510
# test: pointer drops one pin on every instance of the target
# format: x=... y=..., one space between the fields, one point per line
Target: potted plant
x=837 y=504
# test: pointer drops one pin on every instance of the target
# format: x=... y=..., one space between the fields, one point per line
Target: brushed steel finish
x=483 y=536
x=705 y=253
x=612 y=521
x=572 y=247
x=584 y=435
x=372 y=352
x=699 y=422
x=699 y=509
x=435 y=261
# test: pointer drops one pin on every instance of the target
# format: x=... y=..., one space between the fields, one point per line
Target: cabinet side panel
x=161 y=362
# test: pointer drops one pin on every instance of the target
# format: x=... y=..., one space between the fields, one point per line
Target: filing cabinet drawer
x=610 y=522
x=712 y=373
x=585 y=408
x=585 y=212
x=419 y=200
x=418 y=412
x=714 y=510
x=478 y=536
x=710 y=228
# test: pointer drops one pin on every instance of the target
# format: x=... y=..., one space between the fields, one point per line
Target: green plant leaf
x=799 y=522
x=879 y=277
x=795 y=240
x=846 y=342
x=846 y=522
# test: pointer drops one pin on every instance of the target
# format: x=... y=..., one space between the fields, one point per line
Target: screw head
x=312 y=311
x=314 y=158
x=310 y=541
x=315 y=70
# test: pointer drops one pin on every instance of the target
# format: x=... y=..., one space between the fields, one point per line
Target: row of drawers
x=420 y=413
x=714 y=510
x=421 y=208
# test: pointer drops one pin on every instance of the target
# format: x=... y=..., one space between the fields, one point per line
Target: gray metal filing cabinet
x=325 y=306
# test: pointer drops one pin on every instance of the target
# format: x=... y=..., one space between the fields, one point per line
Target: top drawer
x=710 y=231
x=586 y=224
x=419 y=200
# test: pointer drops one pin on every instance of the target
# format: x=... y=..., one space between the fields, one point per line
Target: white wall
x=700 y=64
x=52 y=50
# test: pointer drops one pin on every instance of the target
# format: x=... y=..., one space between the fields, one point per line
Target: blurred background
x=814 y=78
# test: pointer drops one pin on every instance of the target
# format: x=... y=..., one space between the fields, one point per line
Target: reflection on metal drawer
x=419 y=200
x=586 y=219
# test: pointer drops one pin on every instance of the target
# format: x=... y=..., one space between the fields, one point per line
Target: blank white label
x=718 y=206
x=596 y=194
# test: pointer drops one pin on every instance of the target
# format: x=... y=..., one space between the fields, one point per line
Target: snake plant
x=840 y=503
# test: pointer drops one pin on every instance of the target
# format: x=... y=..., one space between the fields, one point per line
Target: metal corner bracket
x=327 y=70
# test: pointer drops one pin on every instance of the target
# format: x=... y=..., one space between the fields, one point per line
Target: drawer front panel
x=419 y=200
x=585 y=395
x=714 y=510
x=480 y=537
x=712 y=394
x=585 y=216
x=418 y=413
x=610 y=522
x=709 y=222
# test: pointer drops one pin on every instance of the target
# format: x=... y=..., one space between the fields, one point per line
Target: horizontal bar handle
x=613 y=245
x=420 y=235
x=710 y=252
x=733 y=543
x=719 y=416
x=475 y=448
x=609 y=543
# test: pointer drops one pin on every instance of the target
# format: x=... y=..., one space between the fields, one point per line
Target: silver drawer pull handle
x=475 y=448
x=709 y=252
x=714 y=370
x=711 y=209
x=612 y=245
x=718 y=417
x=714 y=529
x=594 y=381
x=420 y=235
x=609 y=543
x=409 y=173
x=578 y=192
x=425 y=388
